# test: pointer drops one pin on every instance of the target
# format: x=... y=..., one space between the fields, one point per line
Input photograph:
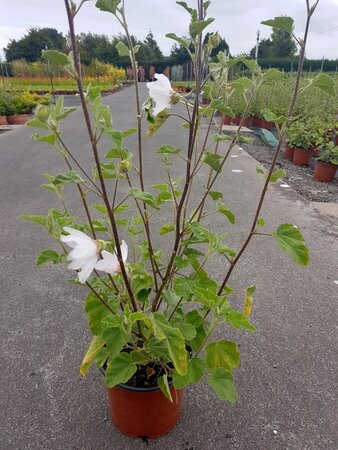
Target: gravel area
x=300 y=178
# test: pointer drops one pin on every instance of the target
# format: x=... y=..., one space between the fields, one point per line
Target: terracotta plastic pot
x=247 y=122
x=289 y=152
x=18 y=119
x=315 y=152
x=324 y=171
x=227 y=120
x=257 y=122
x=301 y=157
x=3 y=120
x=267 y=125
x=144 y=412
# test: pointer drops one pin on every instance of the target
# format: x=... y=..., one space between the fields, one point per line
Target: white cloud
x=236 y=20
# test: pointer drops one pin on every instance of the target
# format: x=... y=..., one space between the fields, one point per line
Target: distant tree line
x=96 y=47
x=279 y=50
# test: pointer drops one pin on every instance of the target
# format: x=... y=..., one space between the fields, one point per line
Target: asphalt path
x=287 y=379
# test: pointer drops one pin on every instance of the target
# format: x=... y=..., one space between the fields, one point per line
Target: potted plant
x=301 y=140
x=326 y=163
x=18 y=111
x=3 y=110
x=153 y=313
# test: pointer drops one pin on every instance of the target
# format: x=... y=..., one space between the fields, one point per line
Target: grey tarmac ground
x=287 y=379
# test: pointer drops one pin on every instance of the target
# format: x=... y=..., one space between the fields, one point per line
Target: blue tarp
x=267 y=137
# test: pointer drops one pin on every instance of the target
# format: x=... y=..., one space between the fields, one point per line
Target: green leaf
x=271 y=116
x=120 y=370
x=188 y=331
x=108 y=5
x=158 y=348
x=68 y=177
x=158 y=121
x=163 y=197
x=56 y=57
x=145 y=197
x=221 y=137
x=163 y=384
x=61 y=59
x=48 y=256
x=277 y=175
x=37 y=124
x=325 y=83
x=97 y=312
x=245 y=139
x=260 y=222
x=107 y=169
x=248 y=300
x=196 y=27
x=191 y=11
x=242 y=84
x=236 y=319
x=216 y=195
x=222 y=354
x=49 y=139
x=224 y=210
x=168 y=150
x=101 y=208
x=115 y=338
x=213 y=160
x=122 y=49
x=167 y=228
x=271 y=73
x=251 y=64
x=40 y=220
x=136 y=48
x=183 y=41
x=291 y=240
x=281 y=23
x=175 y=343
x=222 y=382
x=170 y=297
x=93 y=350
x=118 y=153
x=196 y=369
x=221 y=106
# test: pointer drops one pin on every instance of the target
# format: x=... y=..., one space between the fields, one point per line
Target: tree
x=30 y=46
x=153 y=46
x=96 y=46
x=221 y=47
x=265 y=49
x=282 y=43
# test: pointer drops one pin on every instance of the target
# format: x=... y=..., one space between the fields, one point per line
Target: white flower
x=109 y=262
x=161 y=92
x=84 y=255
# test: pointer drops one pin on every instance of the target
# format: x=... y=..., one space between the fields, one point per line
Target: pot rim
x=135 y=388
x=303 y=150
x=139 y=389
x=324 y=163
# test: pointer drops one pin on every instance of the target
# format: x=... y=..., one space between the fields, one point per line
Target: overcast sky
x=236 y=20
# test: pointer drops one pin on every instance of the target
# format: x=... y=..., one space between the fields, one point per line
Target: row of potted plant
x=326 y=159
x=16 y=107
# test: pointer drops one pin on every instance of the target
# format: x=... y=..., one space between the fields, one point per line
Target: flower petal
x=108 y=263
x=86 y=270
x=161 y=92
x=76 y=232
x=124 y=250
